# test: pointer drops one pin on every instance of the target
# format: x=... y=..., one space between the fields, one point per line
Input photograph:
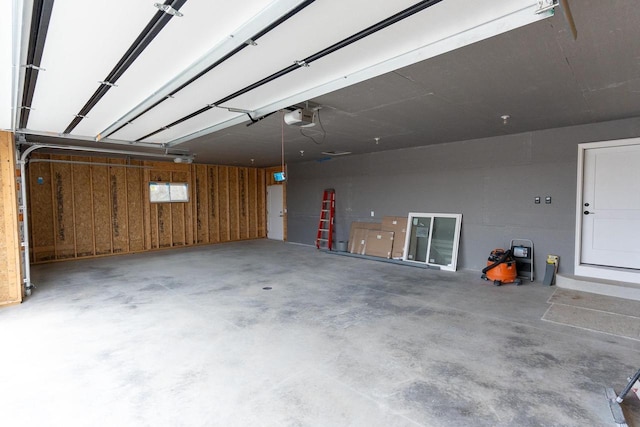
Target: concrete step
x=611 y=288
x=600 y=313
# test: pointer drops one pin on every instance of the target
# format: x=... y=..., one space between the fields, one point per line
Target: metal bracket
x=168 y=9
x=301 y=63
x=251 y=42
x=34 y=67
x=107 y=83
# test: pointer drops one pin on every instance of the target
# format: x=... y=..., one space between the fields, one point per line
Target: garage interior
x=162 y=179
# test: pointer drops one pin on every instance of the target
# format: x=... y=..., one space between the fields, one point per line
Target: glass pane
x=419 y=239
x=442 y=238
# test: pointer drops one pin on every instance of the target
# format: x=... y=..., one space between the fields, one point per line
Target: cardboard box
x=398 y=245
x=397 y=224
x=379 y=243
x=394 y=223
x=357 y=243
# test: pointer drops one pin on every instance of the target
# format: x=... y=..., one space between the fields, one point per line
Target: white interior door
x=275 y=212
x=611 y=207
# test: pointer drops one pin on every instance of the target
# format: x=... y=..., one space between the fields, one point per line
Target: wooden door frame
x=588 y=270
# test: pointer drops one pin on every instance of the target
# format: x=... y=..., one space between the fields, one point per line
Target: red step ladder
x=324 y=238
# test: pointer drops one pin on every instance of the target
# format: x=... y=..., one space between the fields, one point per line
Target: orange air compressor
x=501 y=268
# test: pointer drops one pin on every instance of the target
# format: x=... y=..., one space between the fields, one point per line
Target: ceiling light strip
x=305 y=62
x=215 y=64
x=152 y=29
x=41 y=16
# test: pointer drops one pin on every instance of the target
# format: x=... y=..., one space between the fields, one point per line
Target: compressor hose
x=504 y=258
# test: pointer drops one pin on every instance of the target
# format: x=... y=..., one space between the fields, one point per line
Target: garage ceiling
x=216 y=80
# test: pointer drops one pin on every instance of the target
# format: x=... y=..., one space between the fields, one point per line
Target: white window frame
x=168 y=192
x=456 y=240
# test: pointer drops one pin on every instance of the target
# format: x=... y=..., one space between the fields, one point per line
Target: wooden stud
x=10 y=270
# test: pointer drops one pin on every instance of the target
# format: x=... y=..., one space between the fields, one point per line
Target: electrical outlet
x=373 y=213
x=547 y=200
x=537 y=200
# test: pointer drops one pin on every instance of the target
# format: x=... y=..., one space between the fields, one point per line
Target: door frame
x=283 y=217
x=588 y=270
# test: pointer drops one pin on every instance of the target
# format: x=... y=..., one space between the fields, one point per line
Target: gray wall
x=491 y=181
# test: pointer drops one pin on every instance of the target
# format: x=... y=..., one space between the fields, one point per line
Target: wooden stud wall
x=10 y=271
x=99 y=206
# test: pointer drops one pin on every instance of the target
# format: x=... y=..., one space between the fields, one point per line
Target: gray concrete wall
x=491 y=181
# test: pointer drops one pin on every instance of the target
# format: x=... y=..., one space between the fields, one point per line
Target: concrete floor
x=189 y=338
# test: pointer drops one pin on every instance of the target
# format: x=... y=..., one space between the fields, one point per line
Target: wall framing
x=84 y=207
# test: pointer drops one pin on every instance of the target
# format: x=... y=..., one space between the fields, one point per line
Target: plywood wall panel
x=64 y=230
x=164 y=233
x=180 y=219
x=262 y=204
x=252 y=203
x=10 y=271
x=101 y=207
x=148 y=211
x=41 y=223
x=106 y=206
x=135 y=208
x=223 y=203
x=200 y=204
x=234 y=204
x=83 y=208
x=213 y=197
x=189 y=216
x=243 y=202
x=119 y=206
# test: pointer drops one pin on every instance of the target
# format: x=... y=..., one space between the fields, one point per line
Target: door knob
x=587 y=212
x=586 y=204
